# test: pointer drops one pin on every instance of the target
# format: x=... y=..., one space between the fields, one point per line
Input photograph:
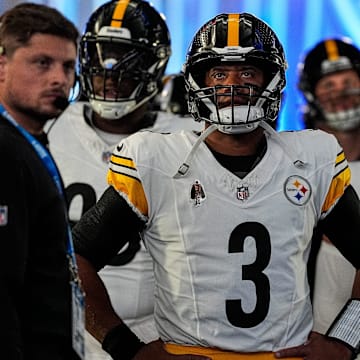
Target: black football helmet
x=235 y=38
x=325 y=58
x=123 y=55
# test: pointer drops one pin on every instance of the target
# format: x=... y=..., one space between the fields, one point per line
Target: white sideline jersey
x=230 y=254
x=82 y=157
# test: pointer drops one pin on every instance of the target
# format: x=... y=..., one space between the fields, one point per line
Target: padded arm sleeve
x=105 y=228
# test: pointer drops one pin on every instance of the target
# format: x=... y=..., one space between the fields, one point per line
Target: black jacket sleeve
x=342 y=226
x=105 y=228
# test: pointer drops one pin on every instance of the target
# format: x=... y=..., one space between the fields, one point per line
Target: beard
x=36 y=113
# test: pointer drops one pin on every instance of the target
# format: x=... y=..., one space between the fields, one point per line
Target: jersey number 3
x=252 y=272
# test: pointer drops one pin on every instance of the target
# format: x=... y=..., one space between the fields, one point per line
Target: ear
x=3 y=61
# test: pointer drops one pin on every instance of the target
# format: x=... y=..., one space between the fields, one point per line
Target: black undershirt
x=241 y=165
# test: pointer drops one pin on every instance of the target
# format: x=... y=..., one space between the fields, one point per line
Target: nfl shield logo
x=3 y=215
x=242 y=193
x=106 y=155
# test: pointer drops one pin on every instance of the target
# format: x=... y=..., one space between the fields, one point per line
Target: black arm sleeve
x=342 y=226
x=105 y=228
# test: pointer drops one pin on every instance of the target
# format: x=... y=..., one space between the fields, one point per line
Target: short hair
x=20 y=23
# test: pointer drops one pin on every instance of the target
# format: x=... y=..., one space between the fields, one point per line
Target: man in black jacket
x=37 y=278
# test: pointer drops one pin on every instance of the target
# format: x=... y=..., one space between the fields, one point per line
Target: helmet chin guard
x=112 y=110
x=344 y=120
x=116 y=109
x=226 y=116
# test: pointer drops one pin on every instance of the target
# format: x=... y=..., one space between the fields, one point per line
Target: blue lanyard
x=53 y=172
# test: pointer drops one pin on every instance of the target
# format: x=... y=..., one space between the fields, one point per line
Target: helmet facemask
x=236 y=108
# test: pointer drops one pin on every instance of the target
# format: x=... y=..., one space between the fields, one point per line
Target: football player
x=329 y=79
x=123 y=56
x=226 y=215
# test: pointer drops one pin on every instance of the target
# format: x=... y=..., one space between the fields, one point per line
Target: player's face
x=112 y=87
x=113 y=81
x=248 y=78
x=35 y=75
x=339 y=91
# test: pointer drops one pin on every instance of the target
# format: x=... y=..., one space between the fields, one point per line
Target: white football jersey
x=230 y=254
x=82 y=156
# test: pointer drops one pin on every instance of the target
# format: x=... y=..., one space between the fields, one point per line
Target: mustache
x=238 y=100
x=234 y=94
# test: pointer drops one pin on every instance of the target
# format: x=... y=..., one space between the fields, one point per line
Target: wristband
x=346 y=326
x=121 y=343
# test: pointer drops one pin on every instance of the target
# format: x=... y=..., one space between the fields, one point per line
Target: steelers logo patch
x=297 y=190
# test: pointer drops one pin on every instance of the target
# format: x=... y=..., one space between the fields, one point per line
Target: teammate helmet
x=235 y=38
x=123 y=55
x=328 y=57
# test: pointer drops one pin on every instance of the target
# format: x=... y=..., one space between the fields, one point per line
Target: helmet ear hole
x=131 y=44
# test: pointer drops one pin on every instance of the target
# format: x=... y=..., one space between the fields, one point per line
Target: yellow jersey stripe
x=123 y=177
x=337 y=187
x=340 y=158
x=331 y=49
x=122 y=161
x=233 y=30
x=131 y=187
x=119 y=12
x=217 y=354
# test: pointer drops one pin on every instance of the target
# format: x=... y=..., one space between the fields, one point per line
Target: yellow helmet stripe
x=233 y=30
x=331 y=49
x=119 y=12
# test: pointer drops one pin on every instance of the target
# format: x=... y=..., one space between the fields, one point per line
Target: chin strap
x=288 y=150
x=184 y=167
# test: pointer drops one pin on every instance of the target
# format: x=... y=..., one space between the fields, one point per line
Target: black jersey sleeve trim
x=342 y=226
